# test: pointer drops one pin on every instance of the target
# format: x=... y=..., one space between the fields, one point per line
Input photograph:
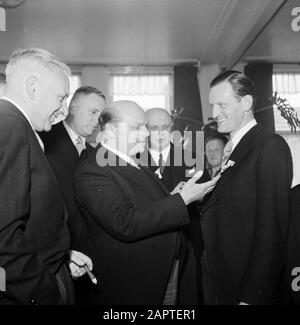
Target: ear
x=33 y=87
x=110 y=130
x=247 y=102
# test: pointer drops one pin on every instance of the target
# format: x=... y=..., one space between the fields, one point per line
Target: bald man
x=135 y=223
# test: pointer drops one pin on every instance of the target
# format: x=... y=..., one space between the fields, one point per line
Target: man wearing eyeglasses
x=173 y=174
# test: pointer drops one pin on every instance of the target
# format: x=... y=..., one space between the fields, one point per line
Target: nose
x=215 y=111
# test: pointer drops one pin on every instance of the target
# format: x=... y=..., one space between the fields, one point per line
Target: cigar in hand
x=90 y=274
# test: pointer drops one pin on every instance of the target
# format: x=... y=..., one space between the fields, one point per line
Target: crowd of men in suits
x=150 y=233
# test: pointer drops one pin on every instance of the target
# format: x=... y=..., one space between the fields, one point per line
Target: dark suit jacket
x=190 y=291
x=33 y=235
x=291 y=283
x=64 y=160
x=134 y=224
x=245 y=220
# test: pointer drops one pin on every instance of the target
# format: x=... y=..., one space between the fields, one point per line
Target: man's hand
x=192 y=191
x=77 y=262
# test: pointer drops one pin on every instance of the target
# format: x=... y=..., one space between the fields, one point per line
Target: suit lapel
x=66 y=146
x=237 y=155
x=138 y=176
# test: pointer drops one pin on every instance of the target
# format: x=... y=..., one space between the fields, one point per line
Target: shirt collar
x=72 y=134
x=122 y=155
x=238 y=136
x=27 y=118
x=155 y=154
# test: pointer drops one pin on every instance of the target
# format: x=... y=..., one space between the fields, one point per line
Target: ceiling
x=154 y=31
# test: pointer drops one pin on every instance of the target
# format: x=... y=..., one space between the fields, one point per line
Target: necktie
x=80 y=145
x=160 y=163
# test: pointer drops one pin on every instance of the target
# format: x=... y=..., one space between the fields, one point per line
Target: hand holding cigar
x=80 y=264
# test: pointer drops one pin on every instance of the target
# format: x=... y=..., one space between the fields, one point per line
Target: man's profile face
x=214 y=152
x=52 y=99
x=226 y=108
x=86 y=112
x=160 y=128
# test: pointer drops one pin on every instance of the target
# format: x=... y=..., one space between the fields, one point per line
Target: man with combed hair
x=245 y=220
x=65 y=147
x=134 y=222
x=34 y=239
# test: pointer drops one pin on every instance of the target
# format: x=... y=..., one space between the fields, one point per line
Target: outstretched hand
x=192 y=191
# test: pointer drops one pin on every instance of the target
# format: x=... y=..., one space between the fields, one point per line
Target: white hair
x=25 y=58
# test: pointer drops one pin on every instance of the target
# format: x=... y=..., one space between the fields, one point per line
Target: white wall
x=205 y=75
x=96 y=76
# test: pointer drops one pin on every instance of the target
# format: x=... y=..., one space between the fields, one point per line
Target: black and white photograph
x=149 y=156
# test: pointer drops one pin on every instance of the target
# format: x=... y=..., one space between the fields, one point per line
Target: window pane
x=288 y=87
x=147 y=90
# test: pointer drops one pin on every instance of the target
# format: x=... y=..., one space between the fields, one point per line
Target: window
x=287 y=85
x=147 y=89
x=75 y=82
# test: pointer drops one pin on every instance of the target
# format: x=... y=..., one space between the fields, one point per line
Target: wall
x=205 y=74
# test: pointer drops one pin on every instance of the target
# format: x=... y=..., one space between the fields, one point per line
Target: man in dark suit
x=246 y=218
x=34 y=239
x=173 y=174
x=133 y=220
x=214 y=146
x=65 y=147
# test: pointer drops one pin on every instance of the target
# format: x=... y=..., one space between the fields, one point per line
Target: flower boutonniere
x=158 y=174
x=228 y=164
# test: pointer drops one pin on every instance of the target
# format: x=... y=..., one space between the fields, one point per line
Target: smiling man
x=245 y=219
x=134 y=222
x=34 y=239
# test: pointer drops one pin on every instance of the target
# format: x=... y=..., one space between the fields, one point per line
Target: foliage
x=286 y=111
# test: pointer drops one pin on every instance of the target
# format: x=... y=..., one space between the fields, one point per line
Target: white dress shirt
x=238 y=136
x=165 y=154
x=72 y=134
x=122 y=155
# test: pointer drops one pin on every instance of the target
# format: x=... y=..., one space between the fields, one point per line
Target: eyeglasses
x=162 y=128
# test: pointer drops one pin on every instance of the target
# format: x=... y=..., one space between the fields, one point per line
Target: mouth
x=220 y=122
x=55 y=115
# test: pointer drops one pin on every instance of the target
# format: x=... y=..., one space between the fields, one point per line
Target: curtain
x=148 y=90
x=187 y=95
x=187 y=101
x=287 y=83
x=261 y=75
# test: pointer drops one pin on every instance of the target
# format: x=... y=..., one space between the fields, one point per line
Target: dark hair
x=239 y=82
x=216 y=136
x=108 y=115
x=2 y=77
x=85 y=91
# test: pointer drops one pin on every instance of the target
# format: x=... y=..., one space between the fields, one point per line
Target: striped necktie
x=80 y=145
